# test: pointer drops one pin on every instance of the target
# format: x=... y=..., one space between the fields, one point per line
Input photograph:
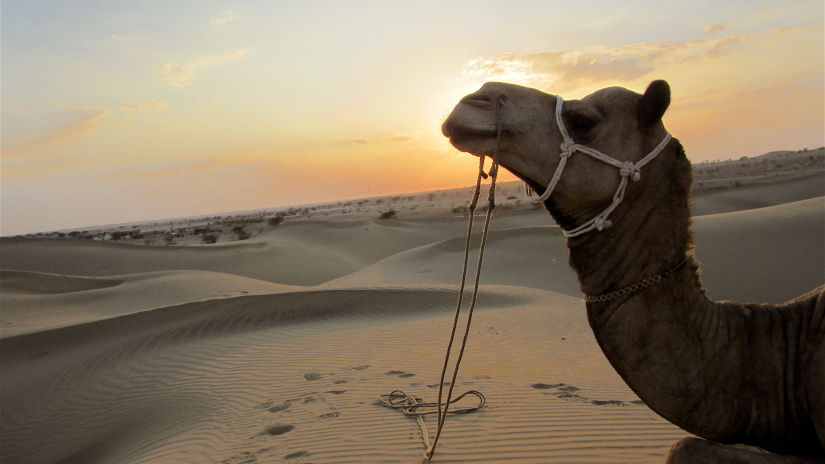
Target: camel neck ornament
x=730 y=373
x=626 y=169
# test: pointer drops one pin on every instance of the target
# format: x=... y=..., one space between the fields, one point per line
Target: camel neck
x=650 y=232
x=655 y=338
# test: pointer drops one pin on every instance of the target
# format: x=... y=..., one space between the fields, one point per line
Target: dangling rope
x=410 y=404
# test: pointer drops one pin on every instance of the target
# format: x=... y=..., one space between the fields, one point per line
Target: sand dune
x=757 y=195
x=276 y=348
x=537 y=257
x=304 y=253
x=68 y=300
x=770 y=254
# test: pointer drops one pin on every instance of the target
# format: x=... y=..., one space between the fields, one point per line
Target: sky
x=115 y=111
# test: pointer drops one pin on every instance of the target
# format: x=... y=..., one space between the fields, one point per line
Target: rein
x=410 y=404
x=627 y=169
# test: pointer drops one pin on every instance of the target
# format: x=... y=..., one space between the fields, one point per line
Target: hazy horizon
x=113 y=114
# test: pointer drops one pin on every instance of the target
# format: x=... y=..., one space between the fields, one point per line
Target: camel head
x=615 y=121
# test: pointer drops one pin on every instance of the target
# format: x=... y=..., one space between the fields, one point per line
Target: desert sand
x=275 y=348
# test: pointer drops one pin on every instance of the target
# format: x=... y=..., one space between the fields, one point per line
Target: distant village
x=206 y=230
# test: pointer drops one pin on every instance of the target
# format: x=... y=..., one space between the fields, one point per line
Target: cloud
x=718 y=27
x=711 y=28
x=179 y=76
x=39 y=129
x=156 y=104
x=224 y=17
x=401 y=137
x=722 y=47
x=359 y=141
x=577 y=68
x=785 y=30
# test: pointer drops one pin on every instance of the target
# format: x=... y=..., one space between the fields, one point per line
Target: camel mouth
x=477 y=140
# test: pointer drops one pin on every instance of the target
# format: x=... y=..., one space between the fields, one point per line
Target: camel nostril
x=479 y=101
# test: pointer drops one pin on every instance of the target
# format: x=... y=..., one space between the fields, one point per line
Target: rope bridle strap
x=627 y=169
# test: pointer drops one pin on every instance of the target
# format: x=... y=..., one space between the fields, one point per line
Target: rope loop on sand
x=410 y=404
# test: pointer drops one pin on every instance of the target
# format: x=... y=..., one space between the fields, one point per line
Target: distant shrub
x=209 y=238
x=462 y=209
x=241 y=233
x=274 y=221
x=391 y=214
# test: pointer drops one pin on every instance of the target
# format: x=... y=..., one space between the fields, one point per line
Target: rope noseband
x=627 y=169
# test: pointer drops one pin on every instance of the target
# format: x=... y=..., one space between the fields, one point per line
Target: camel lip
x=458 y=132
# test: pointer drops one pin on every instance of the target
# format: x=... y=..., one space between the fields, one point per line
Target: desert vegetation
x=736 y=172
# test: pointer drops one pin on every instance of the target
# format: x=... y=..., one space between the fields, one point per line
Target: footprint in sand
x=401 y=374
x=336 y=392
x=277 y=429
x=566 y=392
x=299 y=454
x=361 y=368
x=329 y=415
x=241 y=458
x=434 y=385
x=608 y=402
x=313 y=376
x=280 y=407
x=545 y=386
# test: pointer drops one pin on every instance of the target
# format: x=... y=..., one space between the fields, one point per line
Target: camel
x=731 y=373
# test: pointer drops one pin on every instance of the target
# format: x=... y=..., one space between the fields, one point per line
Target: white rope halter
x=626 y=169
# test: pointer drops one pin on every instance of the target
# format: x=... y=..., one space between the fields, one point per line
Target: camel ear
x=654 y=103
